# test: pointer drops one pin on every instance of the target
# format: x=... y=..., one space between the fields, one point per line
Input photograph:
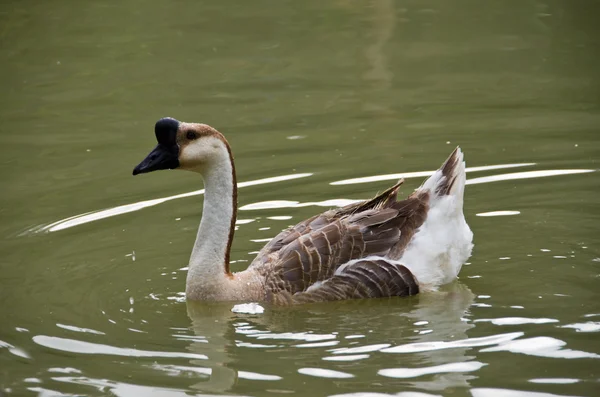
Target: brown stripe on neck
x=233 y=210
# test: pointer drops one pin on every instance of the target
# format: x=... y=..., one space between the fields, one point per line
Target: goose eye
x=191 y=135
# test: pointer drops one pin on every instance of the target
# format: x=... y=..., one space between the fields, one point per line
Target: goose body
x=376 y=248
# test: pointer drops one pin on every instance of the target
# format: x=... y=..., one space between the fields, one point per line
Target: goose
x=376 y=248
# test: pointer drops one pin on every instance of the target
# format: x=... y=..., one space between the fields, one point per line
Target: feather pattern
x=312 y=251
x=360 y=279
x=356 y=251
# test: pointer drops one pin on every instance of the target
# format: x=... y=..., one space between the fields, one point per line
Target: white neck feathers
x=209 y=262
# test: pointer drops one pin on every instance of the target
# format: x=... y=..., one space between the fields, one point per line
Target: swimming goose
x=375 y=248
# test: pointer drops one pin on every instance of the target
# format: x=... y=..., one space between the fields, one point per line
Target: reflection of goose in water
x=335 y=337
x=440 y=319
x=210 y=323
x=377 y=248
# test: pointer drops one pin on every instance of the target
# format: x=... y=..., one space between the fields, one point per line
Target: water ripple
x=66 y=370
x=361 y=349
x=76 y=346
x=517 y=320
x=498 y=213
x=423 y=174
x=526 y=175
x=469 y=366
x=124 y=209
x=14 y=350
x=490 y=392
x=319 y=344
x=256 y=376
x=296 y=204
x=79 y=329
x=540 y=346
x=300 y=336
x=440 y=345
x=353 y=357
x=557 y=381
x=179 y=370
x=273 y=204
x=121 y=389
x=325 y=373
x=374 y=394
x=590 y=326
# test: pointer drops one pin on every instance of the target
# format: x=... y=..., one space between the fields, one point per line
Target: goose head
x=188 y=146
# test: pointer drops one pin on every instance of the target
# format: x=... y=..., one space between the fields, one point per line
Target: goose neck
x=209 y=262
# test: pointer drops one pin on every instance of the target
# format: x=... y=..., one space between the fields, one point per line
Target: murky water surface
x=323 y=102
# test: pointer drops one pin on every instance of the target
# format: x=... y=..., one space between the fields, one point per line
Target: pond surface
x=321 y=101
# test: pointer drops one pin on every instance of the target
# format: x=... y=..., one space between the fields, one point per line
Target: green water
x=321 y=92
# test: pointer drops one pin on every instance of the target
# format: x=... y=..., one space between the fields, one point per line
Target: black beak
x=166 y=154
x=161 y=158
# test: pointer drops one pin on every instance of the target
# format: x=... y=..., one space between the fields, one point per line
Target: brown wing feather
x=312 y=250
x=321 y=220
x=360 y=280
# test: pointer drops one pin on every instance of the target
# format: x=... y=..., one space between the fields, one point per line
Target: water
x=322 y=103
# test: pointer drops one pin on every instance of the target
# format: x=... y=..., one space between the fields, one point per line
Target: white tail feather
x=443 y=243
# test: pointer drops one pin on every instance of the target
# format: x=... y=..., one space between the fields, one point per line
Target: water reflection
x=378 y=76
x=330 y=333
x=422 y=341
x=213 y=323
x=428 y=334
